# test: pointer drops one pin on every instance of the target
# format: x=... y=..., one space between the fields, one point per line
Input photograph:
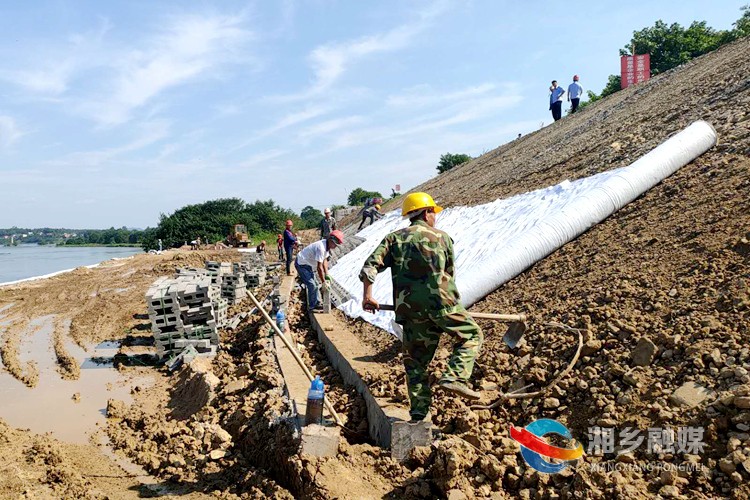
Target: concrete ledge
x=346 y=352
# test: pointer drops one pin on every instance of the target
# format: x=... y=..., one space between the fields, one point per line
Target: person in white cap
x=327 y=225
x=575 y=91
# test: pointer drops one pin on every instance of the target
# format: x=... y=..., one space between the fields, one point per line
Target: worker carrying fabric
x=427 y=302
x=314 y=258
x=372 y=213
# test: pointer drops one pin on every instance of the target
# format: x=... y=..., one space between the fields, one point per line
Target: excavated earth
x=667 y=274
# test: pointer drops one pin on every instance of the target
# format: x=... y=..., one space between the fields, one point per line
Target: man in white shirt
x=575 y=91
x=555 y=100
x=315 y=256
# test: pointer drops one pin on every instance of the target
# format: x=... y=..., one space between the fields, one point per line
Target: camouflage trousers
x=420 y=340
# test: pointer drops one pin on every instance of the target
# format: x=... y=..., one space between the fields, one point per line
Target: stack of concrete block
x=182 y=315
x=254 y=267
x=217 y=271
x=220 y=311
x=191 y=271
x=234 y=288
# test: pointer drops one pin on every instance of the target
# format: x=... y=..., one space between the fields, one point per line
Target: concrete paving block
x=320 y=441
x=691 y=394
x=406 y=436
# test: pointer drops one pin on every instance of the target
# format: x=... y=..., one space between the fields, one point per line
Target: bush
x=448 y=161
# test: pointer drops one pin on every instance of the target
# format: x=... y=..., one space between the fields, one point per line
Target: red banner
x=634 y=69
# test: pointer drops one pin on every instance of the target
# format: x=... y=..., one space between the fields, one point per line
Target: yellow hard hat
x=418 y=201
x=377 y=206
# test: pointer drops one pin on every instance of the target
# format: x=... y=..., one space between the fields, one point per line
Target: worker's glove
x=324 y=286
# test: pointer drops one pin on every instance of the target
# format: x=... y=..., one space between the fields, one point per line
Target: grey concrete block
x=406 y=436
x=320 y=441
x=691 y=394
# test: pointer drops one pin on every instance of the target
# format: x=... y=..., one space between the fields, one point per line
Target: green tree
x=742 y=25
x=311 y=217
x=670 y=46
x=359 y=195
x=448 y=161
x=213 y=220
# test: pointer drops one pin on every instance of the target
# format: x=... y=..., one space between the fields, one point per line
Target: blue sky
x=114 y=112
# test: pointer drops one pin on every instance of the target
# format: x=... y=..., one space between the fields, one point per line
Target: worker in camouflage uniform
x=427 y=302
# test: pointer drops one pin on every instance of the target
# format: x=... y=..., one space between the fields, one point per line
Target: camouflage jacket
x=421 y=262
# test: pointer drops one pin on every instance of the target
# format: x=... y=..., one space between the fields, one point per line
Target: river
x=28 y=261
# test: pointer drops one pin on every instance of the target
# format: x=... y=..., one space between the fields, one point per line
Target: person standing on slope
x=555 y=100
x=290 y=240
x=327 y=225
x=575 y=91
x=426 y=301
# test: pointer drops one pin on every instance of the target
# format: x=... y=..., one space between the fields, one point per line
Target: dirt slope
x=671 y=268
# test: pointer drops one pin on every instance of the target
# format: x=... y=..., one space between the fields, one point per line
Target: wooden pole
x=295 y=355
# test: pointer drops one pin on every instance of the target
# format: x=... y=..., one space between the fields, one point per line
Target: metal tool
x=512 y=336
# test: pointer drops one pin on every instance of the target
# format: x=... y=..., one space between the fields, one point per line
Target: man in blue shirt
x=289 y=241
x=575 y=91
x=555 y=100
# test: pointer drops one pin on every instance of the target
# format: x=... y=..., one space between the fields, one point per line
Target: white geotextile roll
x=615 y=191
x=496 y=241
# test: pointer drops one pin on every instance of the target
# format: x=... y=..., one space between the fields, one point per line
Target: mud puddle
x=69 y=409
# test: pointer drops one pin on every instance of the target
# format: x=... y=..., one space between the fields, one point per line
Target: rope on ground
x=528 y=395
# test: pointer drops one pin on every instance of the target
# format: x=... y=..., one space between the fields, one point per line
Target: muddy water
x=50 y=406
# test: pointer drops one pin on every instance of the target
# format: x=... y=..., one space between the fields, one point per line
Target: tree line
x=672 y=45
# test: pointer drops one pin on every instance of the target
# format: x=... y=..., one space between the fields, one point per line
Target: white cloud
x=328 y=126
x=9 y=132
x=423 y=95
x=149 y=133
x=187 y=49
x=331 y=60
x=474 y=107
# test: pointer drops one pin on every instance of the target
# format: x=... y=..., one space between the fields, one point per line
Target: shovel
x=511 y=338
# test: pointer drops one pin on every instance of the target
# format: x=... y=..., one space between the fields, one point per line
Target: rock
x=591 y=347
x=176 y=460
x=669 y=491
x=644 y=352
x=456 y=495
x=746 y=465
x=727 y=465
x=550 y=403
x=742 y=402
x=235 y=386
x=690 y=394
x=76 y=397
x=733 y=444
x=217 y=454
x=736 y=477
x=668 y=476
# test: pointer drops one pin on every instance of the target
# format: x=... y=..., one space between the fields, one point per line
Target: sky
x=112 y=113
